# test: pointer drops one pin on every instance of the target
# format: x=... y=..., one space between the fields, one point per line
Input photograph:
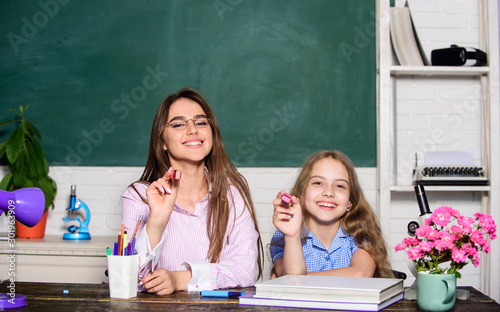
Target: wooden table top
x=95 y=297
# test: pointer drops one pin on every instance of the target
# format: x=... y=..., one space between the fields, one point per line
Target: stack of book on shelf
x=404 y=38
x=326 y=292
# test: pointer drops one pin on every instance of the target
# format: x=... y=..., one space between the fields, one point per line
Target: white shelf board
x=438 y=71
x=442 y=188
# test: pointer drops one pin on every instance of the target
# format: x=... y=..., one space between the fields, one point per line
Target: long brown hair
x=220 y=168
x=360 y=221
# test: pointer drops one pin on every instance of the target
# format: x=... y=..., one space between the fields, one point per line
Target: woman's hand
x=287 y=219
x=161 y=196
x=163 y=282
x=159 y=282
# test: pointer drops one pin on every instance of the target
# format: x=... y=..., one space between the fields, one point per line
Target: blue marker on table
x=221 y=293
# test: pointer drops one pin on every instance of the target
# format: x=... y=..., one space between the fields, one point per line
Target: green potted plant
x=27 y=164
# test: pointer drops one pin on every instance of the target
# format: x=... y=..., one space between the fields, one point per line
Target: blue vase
x=436 y=292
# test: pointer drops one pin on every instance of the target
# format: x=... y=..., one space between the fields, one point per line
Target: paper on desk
x=449 y=158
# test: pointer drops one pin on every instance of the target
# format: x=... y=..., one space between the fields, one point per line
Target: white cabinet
x=52 y=259
x=393 y=156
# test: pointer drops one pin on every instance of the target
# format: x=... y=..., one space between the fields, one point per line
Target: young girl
x=330 y=228
x=199 y=232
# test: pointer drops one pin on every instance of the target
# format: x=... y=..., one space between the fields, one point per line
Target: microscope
x=77 y=232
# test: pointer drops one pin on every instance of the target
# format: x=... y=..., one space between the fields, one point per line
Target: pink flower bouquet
x=449 y=238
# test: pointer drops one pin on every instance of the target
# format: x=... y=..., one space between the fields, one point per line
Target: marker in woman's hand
x=175 y=175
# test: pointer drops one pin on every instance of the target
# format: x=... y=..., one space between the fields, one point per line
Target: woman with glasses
x=200 y=231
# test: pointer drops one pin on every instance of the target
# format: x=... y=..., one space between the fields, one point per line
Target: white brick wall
x=436 y=114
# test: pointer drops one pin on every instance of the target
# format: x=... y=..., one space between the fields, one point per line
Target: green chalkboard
x=284 y=77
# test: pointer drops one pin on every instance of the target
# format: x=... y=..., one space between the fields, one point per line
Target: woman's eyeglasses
x=181 y=124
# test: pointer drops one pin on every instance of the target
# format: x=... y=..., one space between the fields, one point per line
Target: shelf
x=51 y=245
x=438 y=71
x=484 y=91
x=443 y=188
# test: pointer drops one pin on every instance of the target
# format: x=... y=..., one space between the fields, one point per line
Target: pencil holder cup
x=123 y=274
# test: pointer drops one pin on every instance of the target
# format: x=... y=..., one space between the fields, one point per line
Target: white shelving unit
x=488 y=77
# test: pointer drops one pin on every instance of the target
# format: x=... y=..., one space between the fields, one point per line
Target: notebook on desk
x=330 y=288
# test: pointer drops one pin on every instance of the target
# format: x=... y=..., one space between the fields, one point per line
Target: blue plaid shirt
x=318 y=258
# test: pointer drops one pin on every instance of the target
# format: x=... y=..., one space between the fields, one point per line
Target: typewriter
x=448 y=175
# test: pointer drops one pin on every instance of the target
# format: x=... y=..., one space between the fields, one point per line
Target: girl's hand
x=161 y=196
x=287 y=219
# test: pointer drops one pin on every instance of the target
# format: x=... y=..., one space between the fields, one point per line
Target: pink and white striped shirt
x=184 y=243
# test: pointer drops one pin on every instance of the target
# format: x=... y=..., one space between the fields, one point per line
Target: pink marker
x=286 y=199
x=175 y=175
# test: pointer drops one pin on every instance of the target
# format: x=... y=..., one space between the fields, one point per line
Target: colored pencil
x=132 y=247
x=124 y=244
x=136 y=227
x=120 y=240
x=133 y=235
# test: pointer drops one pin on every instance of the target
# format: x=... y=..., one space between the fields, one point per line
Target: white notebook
x=330 y=288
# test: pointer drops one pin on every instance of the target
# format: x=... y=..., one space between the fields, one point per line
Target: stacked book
x=326 y=292
x=404 y=38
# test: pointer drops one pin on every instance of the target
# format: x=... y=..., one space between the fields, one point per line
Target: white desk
x=53 y=259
